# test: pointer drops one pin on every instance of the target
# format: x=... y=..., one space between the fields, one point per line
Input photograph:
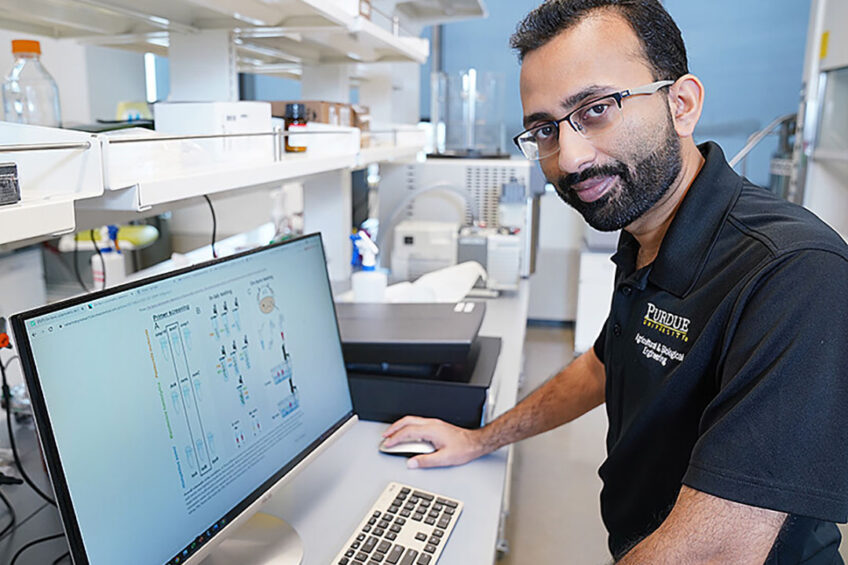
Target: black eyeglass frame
x=617 y=96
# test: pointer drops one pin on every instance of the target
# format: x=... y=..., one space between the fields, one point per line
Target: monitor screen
x=167 y=407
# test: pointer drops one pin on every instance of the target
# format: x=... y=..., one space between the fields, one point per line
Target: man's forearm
x=567 y=395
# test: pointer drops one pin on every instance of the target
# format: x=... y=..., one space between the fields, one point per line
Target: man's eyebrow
x=570 y=102
x=537 y=117
x=588 y=92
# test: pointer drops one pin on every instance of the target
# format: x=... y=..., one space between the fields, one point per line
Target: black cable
x=76 y=264
x=61 y=557
x=102 y=261
x=32 y=543
x=7 y=398
x=11 y=515
x=9 y=361
x=214 y=225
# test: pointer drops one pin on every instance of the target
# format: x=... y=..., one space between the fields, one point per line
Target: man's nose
x=575 y=151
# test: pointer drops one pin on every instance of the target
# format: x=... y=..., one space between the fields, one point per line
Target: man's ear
x=686 y=100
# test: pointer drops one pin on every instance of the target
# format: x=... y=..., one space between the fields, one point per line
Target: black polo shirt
x=727 y=367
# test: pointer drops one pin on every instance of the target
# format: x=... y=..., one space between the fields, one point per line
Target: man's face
x=614 y=178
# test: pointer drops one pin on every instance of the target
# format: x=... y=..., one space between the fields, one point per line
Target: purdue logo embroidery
x=666 y=322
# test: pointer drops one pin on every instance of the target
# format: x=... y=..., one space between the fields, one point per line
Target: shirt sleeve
x=776 y=434
x=599 y=342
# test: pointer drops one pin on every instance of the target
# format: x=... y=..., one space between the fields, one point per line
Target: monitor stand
x=263 y=539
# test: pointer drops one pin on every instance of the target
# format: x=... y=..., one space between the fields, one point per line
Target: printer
x=418 y=359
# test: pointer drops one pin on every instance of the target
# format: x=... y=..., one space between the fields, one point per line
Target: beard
x=635 y=191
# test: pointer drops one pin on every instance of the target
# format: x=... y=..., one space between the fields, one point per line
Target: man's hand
x=570 y=393
x=454 y=445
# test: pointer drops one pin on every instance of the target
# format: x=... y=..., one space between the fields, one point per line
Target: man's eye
x=594 y=111
x=545 y=132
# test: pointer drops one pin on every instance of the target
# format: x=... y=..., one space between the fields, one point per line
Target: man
x=723 y=362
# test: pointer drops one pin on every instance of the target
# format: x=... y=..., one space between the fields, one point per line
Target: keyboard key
x=409 y=558
x=349 y=553
x=405 y=513
x=420 y=536
x=424 y=495
x=366 y=528
x=409 y=506
x=425 y=503
x=423 y=559
x=400 y=521
x=443 y=523
x=344 y=561
x=372 y=521
x=390 y=536
x=430 y=521
x=438 y=533
x=430 y=548
x=417 y=516
x=395 y=528
x=438 y=507
x=354 y=545
x=413 y=499
x=376 y=514
x=404 y=491
x=433 y=514
x=449 y=510
x=378 y=557
x=446 y=502
x=434 y=540
x=379 y=531
x=395 y=554
x=393 y=509
x=384 y=547
x=361 y=556
x=370 y=544
x=360 y=537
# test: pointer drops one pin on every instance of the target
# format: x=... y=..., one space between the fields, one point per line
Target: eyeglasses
x=589 y=120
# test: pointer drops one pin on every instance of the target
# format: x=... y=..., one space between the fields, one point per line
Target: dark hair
x=660 y=37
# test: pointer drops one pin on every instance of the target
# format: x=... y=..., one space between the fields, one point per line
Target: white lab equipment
x=423 y=246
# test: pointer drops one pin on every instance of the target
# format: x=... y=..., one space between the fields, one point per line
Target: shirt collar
x=694 y=229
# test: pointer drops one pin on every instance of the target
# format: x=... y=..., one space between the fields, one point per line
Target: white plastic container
x=368 y=286
x=116 y=268
x=30 y=95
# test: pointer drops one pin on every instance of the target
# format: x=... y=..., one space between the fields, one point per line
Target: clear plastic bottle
x=30 y=95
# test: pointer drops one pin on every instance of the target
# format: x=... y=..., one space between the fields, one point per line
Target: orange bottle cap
x=25 y=46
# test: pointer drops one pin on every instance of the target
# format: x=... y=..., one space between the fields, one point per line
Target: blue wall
x=749 y=54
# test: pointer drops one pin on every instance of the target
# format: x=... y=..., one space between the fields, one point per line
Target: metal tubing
x=44 y=147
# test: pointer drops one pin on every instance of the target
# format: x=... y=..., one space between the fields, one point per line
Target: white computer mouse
x=408 y=448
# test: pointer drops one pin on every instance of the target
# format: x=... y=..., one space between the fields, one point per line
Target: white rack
x=55 y=169
x=283 y=32
x=133 y=174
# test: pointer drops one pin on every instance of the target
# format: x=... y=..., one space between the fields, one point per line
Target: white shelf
x=287 y=32
x=55 y=168
x=146 y=194
x=387 y=154
x=431 y=12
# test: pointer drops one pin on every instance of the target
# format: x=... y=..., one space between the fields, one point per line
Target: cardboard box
x=323 y=112
x=362 y=119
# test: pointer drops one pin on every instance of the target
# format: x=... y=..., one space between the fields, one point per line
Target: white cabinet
x=594 y=295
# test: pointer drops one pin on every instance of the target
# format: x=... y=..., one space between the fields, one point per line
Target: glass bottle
x=30 y=95
x=295 y=119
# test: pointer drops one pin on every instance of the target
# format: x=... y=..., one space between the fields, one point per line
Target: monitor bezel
x=44 y=426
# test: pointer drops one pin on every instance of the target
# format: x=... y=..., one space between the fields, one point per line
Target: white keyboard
x=405 y=526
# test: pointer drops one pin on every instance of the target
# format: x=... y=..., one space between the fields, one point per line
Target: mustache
x=566 y=182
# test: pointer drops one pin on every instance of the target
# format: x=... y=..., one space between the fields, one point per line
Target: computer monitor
x=171 y=408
